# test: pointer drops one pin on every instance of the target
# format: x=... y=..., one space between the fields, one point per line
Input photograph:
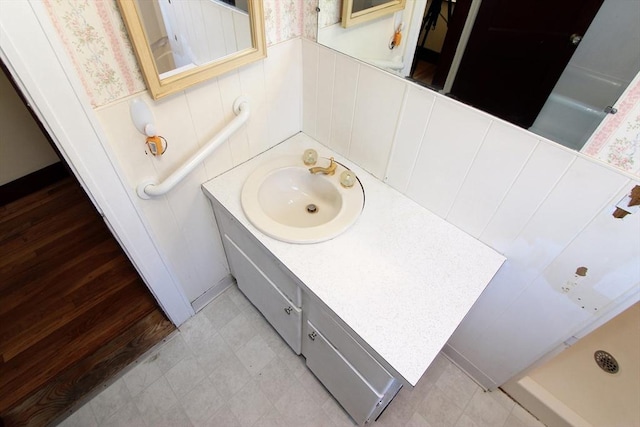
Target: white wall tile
x=206 y=257
x=549 y=231
x=536 y=322
x=542 y=172
x=126 y=142
x=326 y=79
x=501 y=157
x=171 y=243
x=173 y=121
x=207 y=115
x=283 y=72
x=520 y=298
x=344 y=99
x=613 y=264
x=378 y=101
x=448 y=149
x=230 y=89
x=581 y=193
x=411 y=128
x=309 y=87
x=252 y=82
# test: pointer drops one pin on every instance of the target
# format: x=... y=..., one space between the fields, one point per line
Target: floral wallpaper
x=331 y=12
x=96 y=41
x=617 y=140
x=310 y=14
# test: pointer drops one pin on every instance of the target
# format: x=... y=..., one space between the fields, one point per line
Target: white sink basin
x=285 y=201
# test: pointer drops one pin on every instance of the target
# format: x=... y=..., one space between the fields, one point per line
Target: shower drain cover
x=606 y=361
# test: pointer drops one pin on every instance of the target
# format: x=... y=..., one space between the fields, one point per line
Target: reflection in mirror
x=455 y=47
x=359 y=11
x=360 y=5
x=183 y=42
x=184 y=34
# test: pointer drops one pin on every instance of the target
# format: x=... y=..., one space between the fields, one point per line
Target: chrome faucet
x=329 y=170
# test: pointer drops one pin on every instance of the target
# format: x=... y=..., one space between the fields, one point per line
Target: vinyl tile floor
x=227 y=367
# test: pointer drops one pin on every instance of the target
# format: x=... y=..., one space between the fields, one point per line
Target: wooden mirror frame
x=176 y=82
x=349 y=18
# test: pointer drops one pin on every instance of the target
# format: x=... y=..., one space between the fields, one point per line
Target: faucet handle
x=310 y=157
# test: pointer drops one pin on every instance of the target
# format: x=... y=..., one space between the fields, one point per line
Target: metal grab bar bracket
x=149 y=187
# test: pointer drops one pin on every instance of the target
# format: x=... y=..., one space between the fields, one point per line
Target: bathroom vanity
x=369 y=309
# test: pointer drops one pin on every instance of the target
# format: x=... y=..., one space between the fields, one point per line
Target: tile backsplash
x=527 y=197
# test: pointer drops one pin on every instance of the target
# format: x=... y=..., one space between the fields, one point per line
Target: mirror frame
x=349 y=18
x=162 y=87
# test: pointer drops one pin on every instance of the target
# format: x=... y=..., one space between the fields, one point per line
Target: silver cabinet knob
x=610 y=110
x=313 y=335
x=288 y=310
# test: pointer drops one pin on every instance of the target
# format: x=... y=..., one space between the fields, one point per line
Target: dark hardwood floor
x=424 y=72
x=73 y=310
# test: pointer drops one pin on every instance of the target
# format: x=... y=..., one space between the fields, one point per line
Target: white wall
x=182 y=221
x=548 y=209
x=23 y=147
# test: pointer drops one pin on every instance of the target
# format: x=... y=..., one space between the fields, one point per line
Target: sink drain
x=606 y=361
x=311 y=208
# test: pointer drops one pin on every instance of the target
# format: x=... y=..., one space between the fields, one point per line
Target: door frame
x=34 y=56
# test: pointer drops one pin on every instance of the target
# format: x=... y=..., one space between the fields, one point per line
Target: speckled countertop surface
x=400 y=277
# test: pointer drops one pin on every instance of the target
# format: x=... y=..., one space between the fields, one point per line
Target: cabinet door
x=284 y=316
x=342 y=380
x=260 y=256
x=377 y=377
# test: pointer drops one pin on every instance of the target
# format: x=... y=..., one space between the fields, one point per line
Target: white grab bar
x=150 y=188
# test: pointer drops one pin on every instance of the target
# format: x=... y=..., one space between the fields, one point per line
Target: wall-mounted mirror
x=550 y=67
x=359 y=11
x=180 y=43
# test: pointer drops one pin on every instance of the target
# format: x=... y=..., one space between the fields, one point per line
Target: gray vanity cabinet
x=342 y=379
x=281 y=312
x=351 y=374
x=262 y=281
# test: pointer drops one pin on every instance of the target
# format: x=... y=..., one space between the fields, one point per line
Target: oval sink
x=285 y=201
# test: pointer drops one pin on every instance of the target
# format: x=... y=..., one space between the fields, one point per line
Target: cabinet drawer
x=284 y=316
x=339 y=377
x=261 y=258
x=377 y=376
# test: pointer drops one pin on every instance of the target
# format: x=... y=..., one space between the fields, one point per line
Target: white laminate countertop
x=400 y=277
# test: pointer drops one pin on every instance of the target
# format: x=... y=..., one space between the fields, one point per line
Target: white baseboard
x=211 y=293
x=469 y=368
